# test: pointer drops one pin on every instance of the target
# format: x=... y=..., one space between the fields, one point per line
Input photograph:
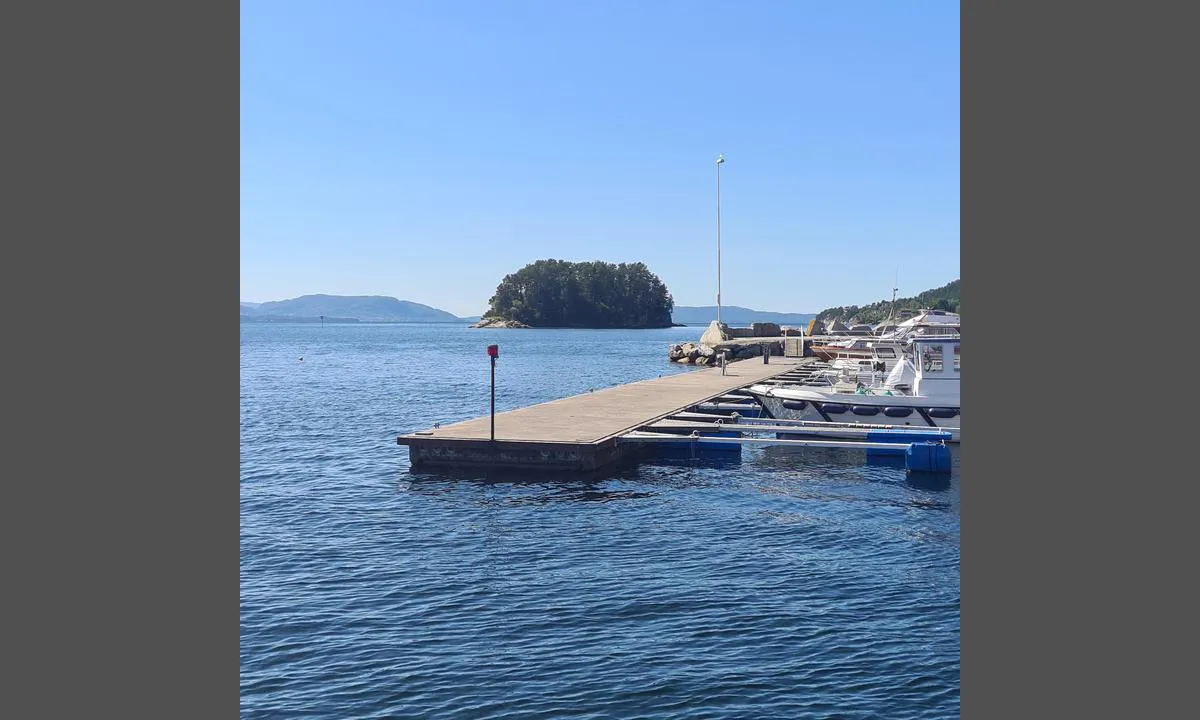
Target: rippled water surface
x=781 y=583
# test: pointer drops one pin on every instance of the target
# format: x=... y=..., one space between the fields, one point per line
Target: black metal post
x=493 y=398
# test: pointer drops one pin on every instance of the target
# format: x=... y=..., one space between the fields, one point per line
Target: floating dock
x=580 y=433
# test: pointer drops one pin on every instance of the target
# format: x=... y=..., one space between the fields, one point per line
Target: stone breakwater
x=720 y=339
x=701 y=354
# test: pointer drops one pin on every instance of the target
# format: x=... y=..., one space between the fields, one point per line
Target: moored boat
x=922 y=390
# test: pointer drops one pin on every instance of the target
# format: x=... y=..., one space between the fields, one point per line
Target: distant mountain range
x=344 y=308
x=734 y=315
x=383 y=309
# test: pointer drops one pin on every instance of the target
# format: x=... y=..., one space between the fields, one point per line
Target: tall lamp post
x=720 y=161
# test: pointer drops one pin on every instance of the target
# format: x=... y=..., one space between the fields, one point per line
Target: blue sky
x=423 y=149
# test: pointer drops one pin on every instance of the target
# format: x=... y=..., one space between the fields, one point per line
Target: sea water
x=771 y=583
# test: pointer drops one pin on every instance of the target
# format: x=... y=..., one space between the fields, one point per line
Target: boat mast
x=892 y=312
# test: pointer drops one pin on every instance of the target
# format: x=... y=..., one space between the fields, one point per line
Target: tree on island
x=557 y=293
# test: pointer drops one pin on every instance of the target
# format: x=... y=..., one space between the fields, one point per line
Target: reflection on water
x=517 y=488
x=928 y=481
x=695 y=458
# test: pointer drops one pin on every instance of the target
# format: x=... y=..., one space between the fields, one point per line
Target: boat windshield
x=932 y=360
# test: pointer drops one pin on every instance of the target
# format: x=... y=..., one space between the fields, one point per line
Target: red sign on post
x=493 y=353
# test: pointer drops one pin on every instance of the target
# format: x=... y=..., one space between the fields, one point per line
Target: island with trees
x=562 y=294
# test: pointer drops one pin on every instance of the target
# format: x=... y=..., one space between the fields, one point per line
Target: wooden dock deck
x=579 y=432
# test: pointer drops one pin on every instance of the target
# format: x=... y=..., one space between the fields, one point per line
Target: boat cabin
x=934 y=376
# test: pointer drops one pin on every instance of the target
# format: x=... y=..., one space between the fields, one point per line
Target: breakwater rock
x=701 y=354
x=734 y=343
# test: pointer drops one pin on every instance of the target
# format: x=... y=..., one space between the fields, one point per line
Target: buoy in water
x=927 y=457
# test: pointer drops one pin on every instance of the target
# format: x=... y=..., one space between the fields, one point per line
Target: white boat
x=926 y=322
x=866 y=352
x=888 y=338
x=921 y=390
x=851 y=373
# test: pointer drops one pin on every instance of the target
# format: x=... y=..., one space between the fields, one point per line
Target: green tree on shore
x=943 y=298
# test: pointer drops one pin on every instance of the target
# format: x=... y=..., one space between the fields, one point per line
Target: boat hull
x=893 y=410
x=830 y=353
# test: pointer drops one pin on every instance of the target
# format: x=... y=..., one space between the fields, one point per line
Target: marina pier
x=580 y=433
